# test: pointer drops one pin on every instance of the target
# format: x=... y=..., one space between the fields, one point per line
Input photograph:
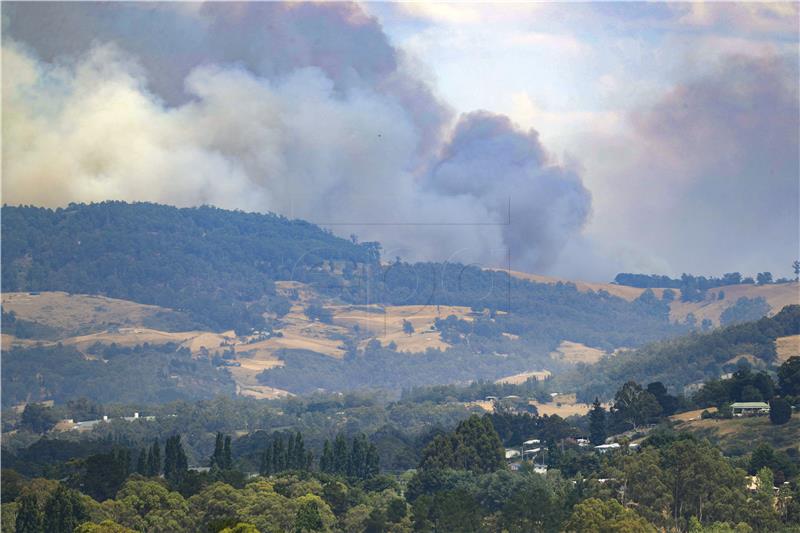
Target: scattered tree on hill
x=36 y=417
x=764 y=278
x=796 y=269
x=668 y=403
x=317 y=312
x=633 y=407
x=408 y=327
x=745 y=309
x=789 y=376
x=780 y=412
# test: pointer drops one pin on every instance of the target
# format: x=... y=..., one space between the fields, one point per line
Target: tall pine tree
x=216 y=459
x=326 y=461
x=154 y=460
x=227 y=458
x=175 y=461
x=597 y=423
x=141 y=462
x=340 y=455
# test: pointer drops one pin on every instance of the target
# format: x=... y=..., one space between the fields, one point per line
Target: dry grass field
x=72 y=312
x=575 y=352
x=562 y=409
x=736 y=435
x=628 y=293
x=522 y=377
x=691 y=415
x=385 y=323
x=787 y=347
x=777 y=296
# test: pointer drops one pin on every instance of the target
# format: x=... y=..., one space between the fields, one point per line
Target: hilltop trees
x=764 y=278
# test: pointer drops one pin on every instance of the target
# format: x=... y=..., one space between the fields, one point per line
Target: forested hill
x=690 y=359
x=219 y=267
x=216 y=265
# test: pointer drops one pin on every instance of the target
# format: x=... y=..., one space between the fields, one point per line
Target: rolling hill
x=278 y=305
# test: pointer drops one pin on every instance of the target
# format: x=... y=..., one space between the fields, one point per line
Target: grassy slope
x=737 y=435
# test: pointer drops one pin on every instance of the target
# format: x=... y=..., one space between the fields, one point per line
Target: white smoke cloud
x=337 y=137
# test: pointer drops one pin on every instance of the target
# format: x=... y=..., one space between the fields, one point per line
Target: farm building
x=750 y=408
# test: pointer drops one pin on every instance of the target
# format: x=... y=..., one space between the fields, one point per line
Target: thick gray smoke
x=302 y=109
x=508 y=171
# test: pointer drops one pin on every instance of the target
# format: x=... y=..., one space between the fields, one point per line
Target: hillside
x=736 y=435
x=777 y=296
x=689 y=360
x=219 y=269
x=217 y=266
x=284 y=305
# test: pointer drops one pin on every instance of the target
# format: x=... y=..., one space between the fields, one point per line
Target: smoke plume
x=302 y=109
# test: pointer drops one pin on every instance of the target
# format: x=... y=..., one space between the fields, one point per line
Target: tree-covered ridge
x=143 y=373
x=686 y=360
x=217 y=265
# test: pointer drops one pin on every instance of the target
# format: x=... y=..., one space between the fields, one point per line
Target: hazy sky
x=579 y=139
